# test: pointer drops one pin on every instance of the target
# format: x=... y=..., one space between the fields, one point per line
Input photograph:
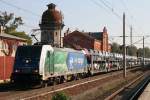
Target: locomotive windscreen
x=28 y=56
x=29 y=51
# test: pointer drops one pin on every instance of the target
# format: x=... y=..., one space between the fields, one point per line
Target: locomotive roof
x=31 y=46
x=67 y=49
x=55 y=48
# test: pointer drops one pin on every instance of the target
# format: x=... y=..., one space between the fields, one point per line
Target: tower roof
x=51 y=6
x=51 y=16
x=105 y=30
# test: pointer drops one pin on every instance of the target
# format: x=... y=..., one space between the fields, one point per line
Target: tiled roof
x=90 y=35
x=95 y=35
x=11 y=36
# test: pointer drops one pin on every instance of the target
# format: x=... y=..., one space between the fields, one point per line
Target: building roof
x=96 y=35
x=90 y=35
x=11 y=36
x=82 y=33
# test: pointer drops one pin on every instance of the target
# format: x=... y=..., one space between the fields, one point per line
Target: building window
x=56 y=33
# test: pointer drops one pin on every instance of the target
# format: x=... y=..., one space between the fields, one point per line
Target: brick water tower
x=51 y=26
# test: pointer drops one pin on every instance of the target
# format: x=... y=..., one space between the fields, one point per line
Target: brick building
x=8 y=47
x=88 y=40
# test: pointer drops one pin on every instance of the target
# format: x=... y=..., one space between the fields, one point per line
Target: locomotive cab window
x=29 y=51
x=29 y=56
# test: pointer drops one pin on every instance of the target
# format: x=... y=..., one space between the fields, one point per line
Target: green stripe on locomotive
x=55 y=62
x=60 y=61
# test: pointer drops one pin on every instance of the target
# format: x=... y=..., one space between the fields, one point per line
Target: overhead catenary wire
x=109 y=6
x=22 y=9
x=99 y=5
x=19 y=8
x=126 y=8
x=133 y=19
x=111 y=9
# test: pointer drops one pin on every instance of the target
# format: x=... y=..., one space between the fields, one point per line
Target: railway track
x=132 y=90
x=137 y=91
x=87 y=83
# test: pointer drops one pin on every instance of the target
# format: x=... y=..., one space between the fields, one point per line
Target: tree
x=147 y=52
x=115 y=48
x=131 y=50
x=5 y=18
x=11 y=23
x=22 y=35
x=140 y=52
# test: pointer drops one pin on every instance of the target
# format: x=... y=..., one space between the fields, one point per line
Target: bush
x=60 y=96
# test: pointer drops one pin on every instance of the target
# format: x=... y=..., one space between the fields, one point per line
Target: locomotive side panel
x=49 y=63
x=76 y=62
x=55 y=63
x=60 y=66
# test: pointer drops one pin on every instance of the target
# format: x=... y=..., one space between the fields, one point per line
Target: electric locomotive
x=46 y=63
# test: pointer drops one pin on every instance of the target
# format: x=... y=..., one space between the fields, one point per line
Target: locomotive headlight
x=35 y=71
x=27 y=61
x=17 y=71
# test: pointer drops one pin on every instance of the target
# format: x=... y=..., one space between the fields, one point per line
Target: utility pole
x=131 y=36
x=131 y=41
x=143 y=51
x=124 y=48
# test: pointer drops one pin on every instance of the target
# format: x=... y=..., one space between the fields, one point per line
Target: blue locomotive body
x=76 y=61
x=26 y=65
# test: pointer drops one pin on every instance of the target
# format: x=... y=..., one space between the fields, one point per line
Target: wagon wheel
x=43 y=84
x=62 y=79
x=56 y=80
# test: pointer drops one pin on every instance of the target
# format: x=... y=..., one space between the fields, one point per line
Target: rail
x=137 y=91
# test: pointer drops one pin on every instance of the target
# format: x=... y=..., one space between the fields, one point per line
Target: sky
x=88 y=15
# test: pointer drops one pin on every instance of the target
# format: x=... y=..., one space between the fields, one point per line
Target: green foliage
x=60 y=96
x=140 y=52
x=115 y=47
x=22 y=35
x=131 y=50
x=5 y=18
x=146 y=50
x=11 y=23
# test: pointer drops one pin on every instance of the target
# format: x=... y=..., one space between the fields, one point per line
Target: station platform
x=146 y=93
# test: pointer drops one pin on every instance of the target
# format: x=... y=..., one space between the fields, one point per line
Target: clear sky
x=88 y=15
